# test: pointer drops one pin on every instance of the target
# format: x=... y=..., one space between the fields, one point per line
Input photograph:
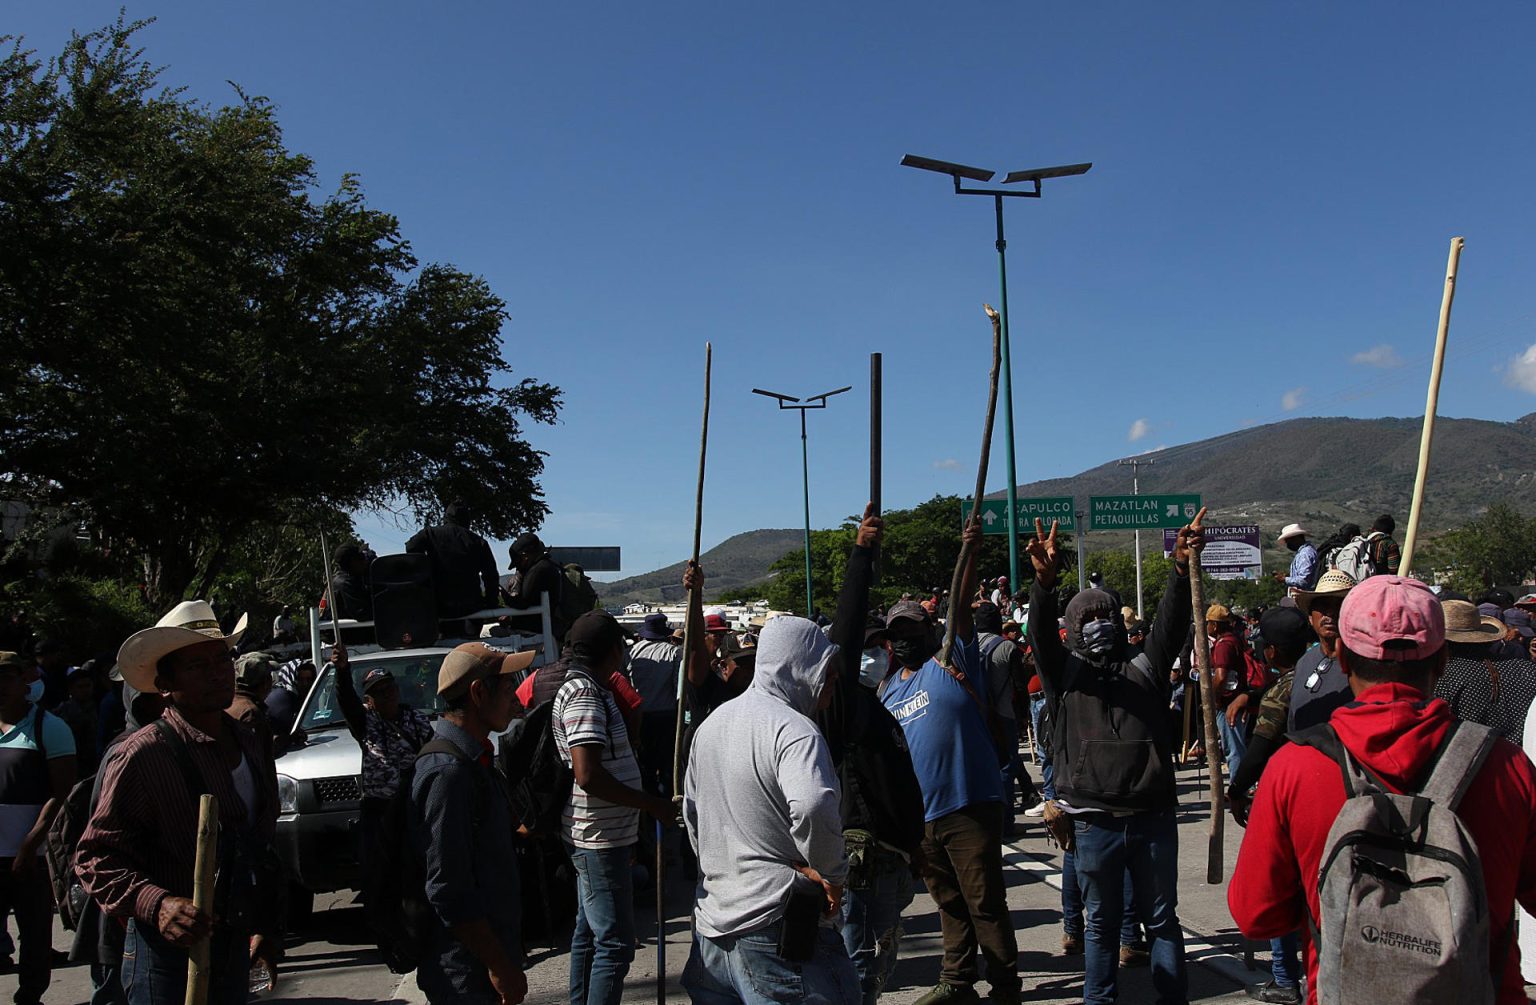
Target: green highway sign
x=994 y=514
x=1145 y=512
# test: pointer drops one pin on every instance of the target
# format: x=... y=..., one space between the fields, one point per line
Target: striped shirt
x=141 y=842
x=586 y=715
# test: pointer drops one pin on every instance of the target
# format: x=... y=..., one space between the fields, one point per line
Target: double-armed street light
x=788 y=403
x=1036 y=176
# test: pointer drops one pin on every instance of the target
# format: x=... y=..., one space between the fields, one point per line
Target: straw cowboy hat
x=190 y=623
x=1333 y=583
x=1463 y=623
x=1292 y=530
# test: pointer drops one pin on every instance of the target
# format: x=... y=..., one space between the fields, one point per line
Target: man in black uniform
x=538 y=574
x=463 y=568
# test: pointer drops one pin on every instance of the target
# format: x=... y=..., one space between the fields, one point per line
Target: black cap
x=594 y=632
x=1284 y=628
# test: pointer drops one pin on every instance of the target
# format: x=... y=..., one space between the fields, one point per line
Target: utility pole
x=1135 y=463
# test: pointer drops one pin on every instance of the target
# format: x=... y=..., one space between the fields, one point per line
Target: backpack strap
x=37 y=731
x=1457 y=762
x=1143 y=663
x=1358 y=779
x=189 y=772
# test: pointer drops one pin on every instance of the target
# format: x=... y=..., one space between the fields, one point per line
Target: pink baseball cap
x=1392 y=618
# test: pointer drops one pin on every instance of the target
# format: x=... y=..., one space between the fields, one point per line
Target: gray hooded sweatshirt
x=761 y=795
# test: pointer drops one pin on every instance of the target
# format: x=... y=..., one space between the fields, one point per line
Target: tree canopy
x=201 y=351
x=1496 y=549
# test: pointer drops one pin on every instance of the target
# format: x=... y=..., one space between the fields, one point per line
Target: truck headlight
x=287 y=795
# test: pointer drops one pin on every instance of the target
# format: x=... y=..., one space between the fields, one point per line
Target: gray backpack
x=1403 y=909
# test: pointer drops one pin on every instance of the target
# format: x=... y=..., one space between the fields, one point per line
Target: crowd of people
x=822 y=770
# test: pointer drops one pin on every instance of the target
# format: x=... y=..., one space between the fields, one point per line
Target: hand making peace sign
x=1044 y=554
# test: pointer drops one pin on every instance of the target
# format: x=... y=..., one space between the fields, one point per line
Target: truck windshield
x=416 y=676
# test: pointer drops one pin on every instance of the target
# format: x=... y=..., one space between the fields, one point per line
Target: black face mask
x=913 y=653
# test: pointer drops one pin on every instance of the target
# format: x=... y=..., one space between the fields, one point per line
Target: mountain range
x=1318 y=472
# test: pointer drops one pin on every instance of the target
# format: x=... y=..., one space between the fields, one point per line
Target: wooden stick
x=682 y=674
x=1215 y=865
x=874 y=451
x=330 y=593
x=981 y=485
x=1431 y=404
x=198 y=970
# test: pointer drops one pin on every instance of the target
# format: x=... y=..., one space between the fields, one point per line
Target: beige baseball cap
x=476 y=661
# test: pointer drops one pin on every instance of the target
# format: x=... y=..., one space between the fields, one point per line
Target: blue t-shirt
x=952 y=751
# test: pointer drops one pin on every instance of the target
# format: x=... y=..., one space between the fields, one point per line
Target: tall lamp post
x=1035 y=175
x=1136 y=463
x=787 y=403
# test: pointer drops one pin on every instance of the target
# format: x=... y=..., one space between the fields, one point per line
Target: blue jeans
x=155 y=972
x=107 y=984
x=1145 y=845
x=603 y=943
x=1010 y=770
x=1234 y=739
x=872 y=922
x=1284 y=961
x=1072 y=904
x=1047 y=771
x=747 y=969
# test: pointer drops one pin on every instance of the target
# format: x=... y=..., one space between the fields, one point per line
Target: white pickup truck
x=318 y=789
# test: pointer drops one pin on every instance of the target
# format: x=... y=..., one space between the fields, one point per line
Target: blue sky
x=1263 y=234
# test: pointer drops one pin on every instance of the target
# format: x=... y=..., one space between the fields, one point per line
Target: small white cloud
x=1139 y=429
x=948 y=464
x=1383 y=357
x=1520 y=371
x=1292 y=399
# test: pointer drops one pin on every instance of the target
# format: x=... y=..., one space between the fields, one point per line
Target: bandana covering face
x=1098 y=637
x=913 y=653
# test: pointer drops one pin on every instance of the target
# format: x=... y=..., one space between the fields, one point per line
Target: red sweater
x=1392 y=729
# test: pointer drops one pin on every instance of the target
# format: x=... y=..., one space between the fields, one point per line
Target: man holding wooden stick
x=1114 y=767
x=137 y=855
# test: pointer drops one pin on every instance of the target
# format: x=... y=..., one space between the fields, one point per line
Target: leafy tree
x=201 y=351
x=918 y=556
x=1496 y=549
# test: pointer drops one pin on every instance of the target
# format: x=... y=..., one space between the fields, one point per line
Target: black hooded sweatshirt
x=1112 y=744
x=880 y=790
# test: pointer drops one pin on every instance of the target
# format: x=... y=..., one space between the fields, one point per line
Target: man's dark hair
x=1389 y=671
x=1385 y=524
x=1289 y=654
x=346 y=554
x=988 y=618
x=460 y=701
x=458 y=512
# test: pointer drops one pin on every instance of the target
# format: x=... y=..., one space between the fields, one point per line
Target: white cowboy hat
x=190 y=623
x=1292 y=530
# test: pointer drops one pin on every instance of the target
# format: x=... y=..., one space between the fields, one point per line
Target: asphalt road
x=332 y=962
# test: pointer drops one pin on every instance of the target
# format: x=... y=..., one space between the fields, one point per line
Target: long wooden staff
x=198 y=970
x=1215 y=861
x=874 y=449
x=1426 y=438
x=682 y=674
x=981 y=485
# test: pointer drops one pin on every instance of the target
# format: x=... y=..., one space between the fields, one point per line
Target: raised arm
x=1171 y=625
x=347 y=699
x=1044 y=637
x=697 y=661
x=960 y=609
x=853 y=601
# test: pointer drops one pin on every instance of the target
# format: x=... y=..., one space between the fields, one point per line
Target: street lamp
x=1035 y=175
x=788 y=403
x=1135 y=464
